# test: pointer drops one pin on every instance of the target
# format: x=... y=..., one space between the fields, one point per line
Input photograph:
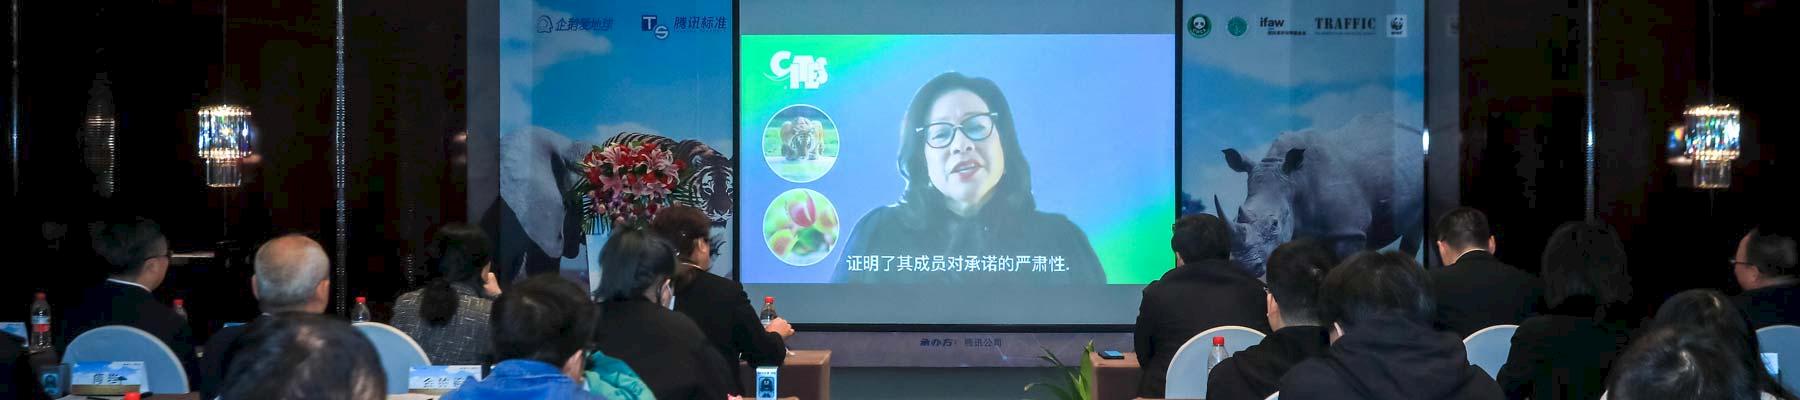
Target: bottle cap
x=768 y=299
x=132 y=396
x=40 y=295
x=360 y=299
x=179 y=303
x=1218 y=340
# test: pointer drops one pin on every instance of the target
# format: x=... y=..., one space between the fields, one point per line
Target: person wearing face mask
x=967 y=198
x=717 y=304
x=666 y=349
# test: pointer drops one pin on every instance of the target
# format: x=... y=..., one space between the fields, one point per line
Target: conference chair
x=398 y=352
x=1188 y=370
x=1274 y=396
x=1784 y=341
x=162 y=370
x=1488 y=347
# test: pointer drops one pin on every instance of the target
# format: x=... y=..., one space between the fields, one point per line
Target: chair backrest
x=162 y=369
x=1783 y=340
x=1488 y=347
x=398 y=352
x=1188 y=370
x=1274 y=396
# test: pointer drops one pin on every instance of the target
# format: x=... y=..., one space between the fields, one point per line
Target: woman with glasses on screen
x=967 y=214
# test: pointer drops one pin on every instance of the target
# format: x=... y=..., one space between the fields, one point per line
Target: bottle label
x=40 y=320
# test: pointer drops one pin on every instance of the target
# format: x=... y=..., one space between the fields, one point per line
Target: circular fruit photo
x=800 y=143
x=800 y=227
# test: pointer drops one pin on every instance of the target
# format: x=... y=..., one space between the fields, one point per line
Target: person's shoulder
x=1311 y=379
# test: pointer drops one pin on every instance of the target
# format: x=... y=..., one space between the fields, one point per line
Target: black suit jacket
x=113 y=303
x=665 y=348
x=212 y=367
x=1563 y=354
x=1774 y=305
x=1479 y=291
x=1186 y=301
x=1255 y=373
x=17 y=379
x=723 y=312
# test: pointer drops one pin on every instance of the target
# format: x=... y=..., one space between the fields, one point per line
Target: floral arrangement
x=624 y=183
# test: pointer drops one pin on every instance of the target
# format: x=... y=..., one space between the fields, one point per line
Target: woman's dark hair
x=924 y=202
x=1296 y=271
x=632 y=261
x=680 y=225
x=1706 y=310
x=1680 y=363
x=1371 y=284
x=456 y=256
x=1201 y=237
x=302 y=356
x=1585 y=259
x=545 y=318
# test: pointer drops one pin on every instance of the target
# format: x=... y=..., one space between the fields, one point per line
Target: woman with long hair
x=449 y=316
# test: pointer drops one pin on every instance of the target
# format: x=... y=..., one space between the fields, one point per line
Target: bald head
x=290 y=275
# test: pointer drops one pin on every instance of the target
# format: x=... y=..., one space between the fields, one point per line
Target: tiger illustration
x=801 y=138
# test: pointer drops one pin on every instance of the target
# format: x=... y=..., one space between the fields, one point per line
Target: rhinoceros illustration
x=1357 y=187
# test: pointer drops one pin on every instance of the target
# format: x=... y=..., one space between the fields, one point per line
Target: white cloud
x=1332 y=110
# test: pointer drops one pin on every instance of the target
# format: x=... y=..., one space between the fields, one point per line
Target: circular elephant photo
x=800 y=227
x=800 y=143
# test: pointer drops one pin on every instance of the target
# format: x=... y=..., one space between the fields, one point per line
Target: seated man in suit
x=1766 y=266
x=1474 y=289
x=291 y=276
x=1295 y=271
x=1203 y=291
x=137 y=257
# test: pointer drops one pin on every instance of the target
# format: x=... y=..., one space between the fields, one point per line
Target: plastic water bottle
x=768 y=311
x=40 y=324
x=181 y=309
x=1218 y=353
x=361 y=312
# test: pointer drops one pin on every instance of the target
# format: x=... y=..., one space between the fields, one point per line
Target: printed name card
x=440 y=379
x=765 y=383
x=106 y=378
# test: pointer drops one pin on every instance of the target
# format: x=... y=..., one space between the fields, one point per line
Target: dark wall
x=1523 y=94
x=404 y=72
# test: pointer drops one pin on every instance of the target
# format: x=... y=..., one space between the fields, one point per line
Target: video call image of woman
x=967 y=198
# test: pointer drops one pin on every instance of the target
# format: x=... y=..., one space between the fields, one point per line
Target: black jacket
x=1563 y=354
x=212 y=367
x=665 y=348
x=1186 y=301
x=1479 y=291
x=112 y=303
x=723 y=312
x=887 y=233
x=1255 y=373
x=1774 y=305
x=1391 y=359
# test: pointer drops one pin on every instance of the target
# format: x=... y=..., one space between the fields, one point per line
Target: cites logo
x=800 y=71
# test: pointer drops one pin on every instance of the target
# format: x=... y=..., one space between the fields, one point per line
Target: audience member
x=1566 y=352
x=303 y=356
x=1296 y=269
x=449 y=317
x=1708 y=311
x=1675 y=362
x=137 y=256
x=291 y=276
x=1766 y=266
x=540 y=326
x=1203 y=274
x=1474 y=289
x=1383 y=345
x=718 y=305
x=664 y=347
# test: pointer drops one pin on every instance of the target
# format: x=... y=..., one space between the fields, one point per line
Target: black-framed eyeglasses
x=976 y=127
x=713 y=243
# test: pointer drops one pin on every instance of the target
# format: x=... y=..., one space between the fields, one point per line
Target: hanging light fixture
x=99 y=136
x=226 y=135
x=1712 y=143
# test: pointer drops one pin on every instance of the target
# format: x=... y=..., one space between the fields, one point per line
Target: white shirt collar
x=146 y=289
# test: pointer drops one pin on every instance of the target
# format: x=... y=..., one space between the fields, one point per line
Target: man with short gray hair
x=290 y=277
